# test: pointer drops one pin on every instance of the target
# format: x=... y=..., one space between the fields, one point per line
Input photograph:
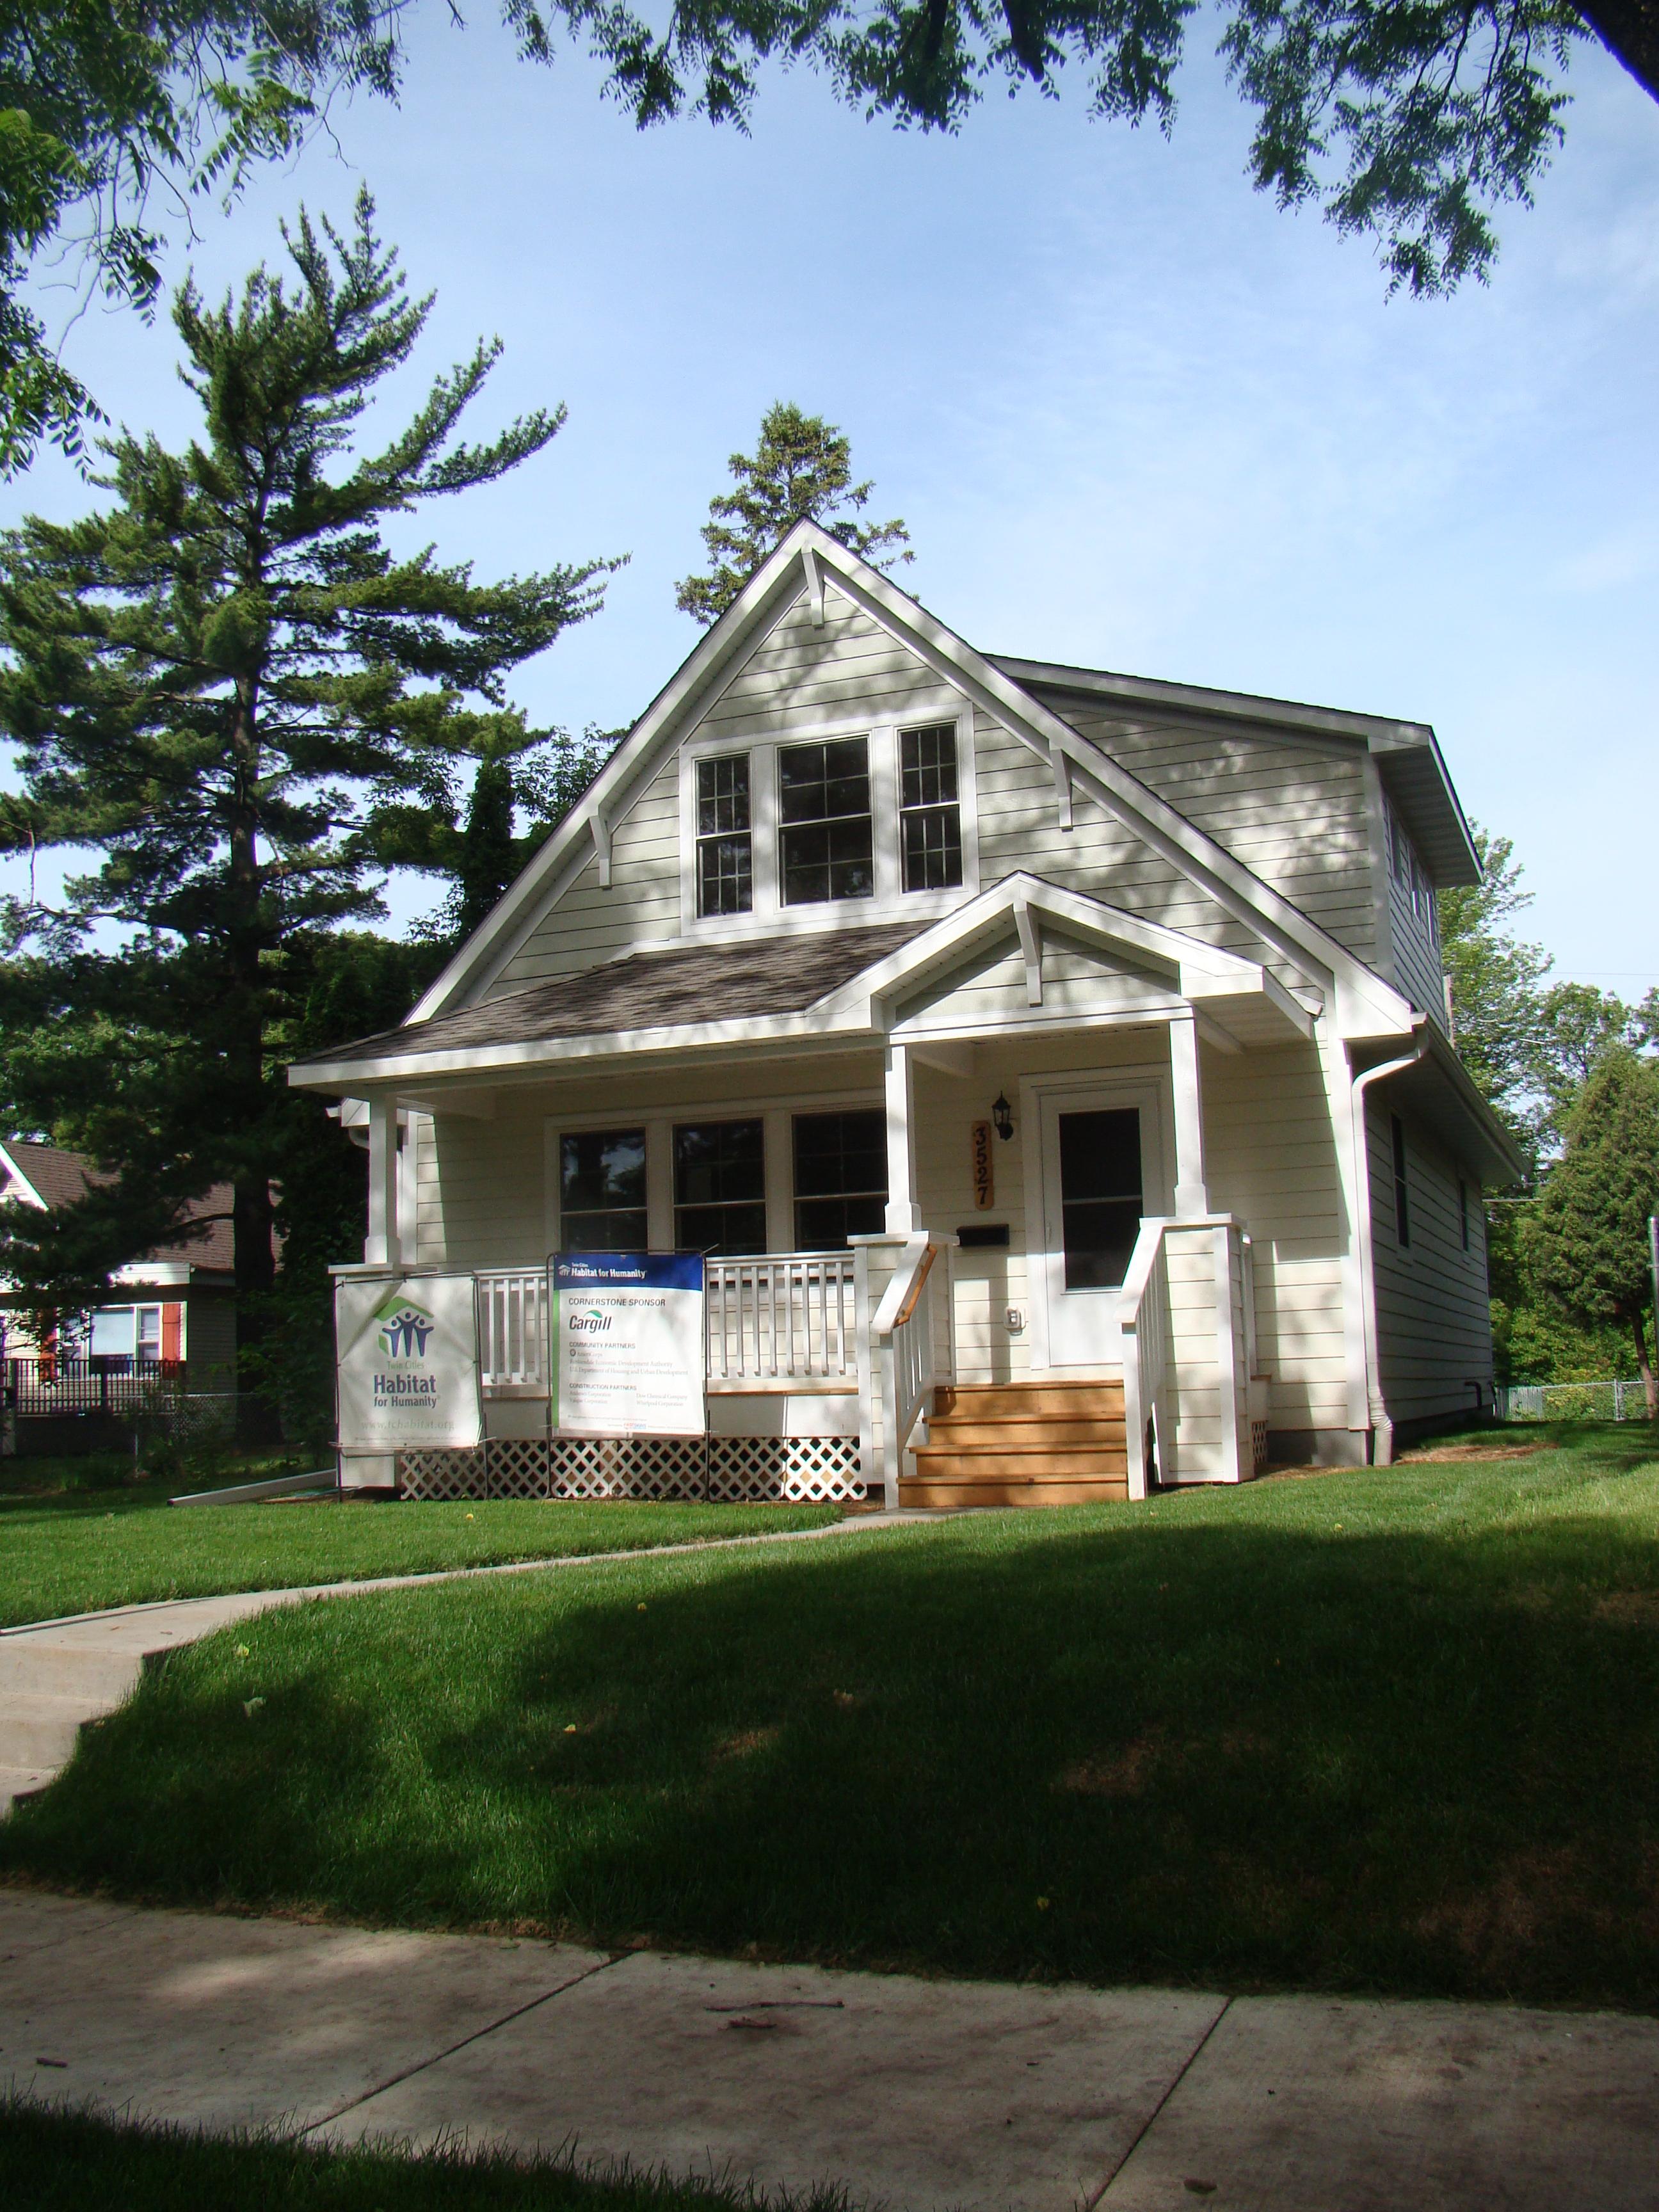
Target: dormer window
x=826 y=841
x=724 y=861
x=930 y=815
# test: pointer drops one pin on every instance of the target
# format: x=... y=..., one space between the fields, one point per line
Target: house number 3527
x=984 y=1179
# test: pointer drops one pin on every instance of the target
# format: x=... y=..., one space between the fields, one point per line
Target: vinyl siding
x=1019 y=828
x=1270 y=1157
x=1416 y=964
x=800 y=674
x=1433 y=1320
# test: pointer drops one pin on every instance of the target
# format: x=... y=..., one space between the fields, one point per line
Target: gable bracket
x=1030 y=947
x=809 y=561
x=600 y=822
x=1060 y=762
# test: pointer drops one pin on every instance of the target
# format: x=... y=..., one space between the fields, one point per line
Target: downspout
x=1382 y=1427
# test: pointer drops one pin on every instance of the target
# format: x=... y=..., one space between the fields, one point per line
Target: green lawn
x=77 y=1549
x=1390 y=1731
x=58 y=2161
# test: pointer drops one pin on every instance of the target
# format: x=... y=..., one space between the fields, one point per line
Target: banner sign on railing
x=406 y=1349
x=628 y=1344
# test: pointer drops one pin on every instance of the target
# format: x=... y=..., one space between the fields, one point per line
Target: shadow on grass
x=1210 y=1751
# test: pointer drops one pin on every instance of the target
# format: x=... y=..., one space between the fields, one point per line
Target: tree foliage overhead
x=1409 y=122
x=112 y=115
x=227 y=687
x=801 y=471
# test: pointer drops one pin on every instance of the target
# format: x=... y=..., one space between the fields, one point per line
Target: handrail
x=905 y=1343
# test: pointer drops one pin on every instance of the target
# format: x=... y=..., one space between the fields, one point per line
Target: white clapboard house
x=1054 y=1065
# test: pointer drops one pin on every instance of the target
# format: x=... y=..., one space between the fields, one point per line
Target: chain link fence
x=1616 y=1400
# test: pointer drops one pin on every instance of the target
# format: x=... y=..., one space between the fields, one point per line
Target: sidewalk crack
x=437 y=2057
x=1190 y=2061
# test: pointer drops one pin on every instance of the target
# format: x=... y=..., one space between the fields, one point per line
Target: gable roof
x=50 y=1176
x=800 y=565
x=645 y=990
x=1407 y=754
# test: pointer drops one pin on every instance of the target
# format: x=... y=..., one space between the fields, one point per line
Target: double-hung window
x=840 y=1177
x=602 y=1191
x=720 y=1187
x=930 y=811
x=826 y=842
x=725 y=860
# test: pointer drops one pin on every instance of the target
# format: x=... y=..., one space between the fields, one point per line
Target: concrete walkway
x=919 y=2094
x=57 y=1675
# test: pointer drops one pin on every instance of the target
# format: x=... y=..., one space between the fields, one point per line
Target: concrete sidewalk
x=921 y=2094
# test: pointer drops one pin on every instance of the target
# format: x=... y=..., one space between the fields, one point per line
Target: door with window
x=1102 y=1173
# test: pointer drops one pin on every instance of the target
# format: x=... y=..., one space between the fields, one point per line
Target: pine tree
x=1587 y=1243
x=225 y=683
x=801 y=471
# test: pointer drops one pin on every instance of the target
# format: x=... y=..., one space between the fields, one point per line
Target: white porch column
x=1192 y=1196
x=902 y=1213
x=383 y=1247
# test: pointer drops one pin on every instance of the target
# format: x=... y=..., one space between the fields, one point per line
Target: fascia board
x=699 y=673
x=404 y=1071
x=1196 y=698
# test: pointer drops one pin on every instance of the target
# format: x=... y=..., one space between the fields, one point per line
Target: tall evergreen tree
x=801 y=470
x=224 y=683
x=1587 y=1243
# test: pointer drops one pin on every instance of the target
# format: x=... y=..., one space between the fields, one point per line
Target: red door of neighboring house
x=172 y=1335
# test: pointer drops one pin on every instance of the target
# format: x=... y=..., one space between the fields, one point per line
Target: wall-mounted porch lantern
x=1002 y=1114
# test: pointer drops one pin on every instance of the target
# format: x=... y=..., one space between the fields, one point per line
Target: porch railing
x=791 y=1317
x=1147 y=1334
x=786 y=1318
x=513 y=1331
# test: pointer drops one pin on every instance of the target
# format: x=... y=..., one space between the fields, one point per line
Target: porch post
x=903 y=1215
x=1192 y=1196
x=383 y=1247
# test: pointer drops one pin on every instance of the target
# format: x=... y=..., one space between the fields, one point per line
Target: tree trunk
x=1644 y=1365
x=1629 y=29
x=252 y=1212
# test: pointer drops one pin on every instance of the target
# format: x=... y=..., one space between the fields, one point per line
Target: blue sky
x=1135 y=417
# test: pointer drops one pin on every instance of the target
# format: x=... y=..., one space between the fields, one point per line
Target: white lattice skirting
x=724 y=1470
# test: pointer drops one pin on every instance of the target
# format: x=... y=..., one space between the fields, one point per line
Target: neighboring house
x=1055 y=1066
x=172 y=1310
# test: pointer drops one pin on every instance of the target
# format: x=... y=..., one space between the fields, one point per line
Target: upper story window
x=879 y=816
x=930 y=813
x=725 y=856
x=1416 y=891
x=826 y=838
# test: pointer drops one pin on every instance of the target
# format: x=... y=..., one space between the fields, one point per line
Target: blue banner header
x=633 y=1271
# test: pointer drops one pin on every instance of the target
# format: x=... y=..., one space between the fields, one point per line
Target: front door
x=1101 y=1171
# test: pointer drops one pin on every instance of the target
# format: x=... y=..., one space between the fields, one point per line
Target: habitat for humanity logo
x=404 y=1329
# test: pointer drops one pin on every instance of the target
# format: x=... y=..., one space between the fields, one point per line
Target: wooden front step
x=995 y=1401
x=1021 y=1443
x=959 y=1496
x=962 y=1432
x=1020 y=1463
